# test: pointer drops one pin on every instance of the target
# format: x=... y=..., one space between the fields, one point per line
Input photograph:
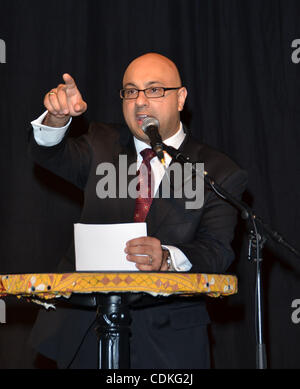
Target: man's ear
x=182 y=93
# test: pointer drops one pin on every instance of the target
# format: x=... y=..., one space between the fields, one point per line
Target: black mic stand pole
x=257 y=240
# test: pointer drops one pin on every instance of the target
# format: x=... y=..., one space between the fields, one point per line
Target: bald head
x=153 y=71
x=151 y=64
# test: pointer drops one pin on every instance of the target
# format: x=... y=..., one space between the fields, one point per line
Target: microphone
x=150 y=126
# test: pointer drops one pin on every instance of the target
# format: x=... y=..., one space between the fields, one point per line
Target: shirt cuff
x=48 y=136
x=179 y=260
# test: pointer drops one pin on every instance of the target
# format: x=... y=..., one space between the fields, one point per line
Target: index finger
x=69 y=81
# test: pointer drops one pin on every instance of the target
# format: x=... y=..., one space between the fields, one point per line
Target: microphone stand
x=257 y=239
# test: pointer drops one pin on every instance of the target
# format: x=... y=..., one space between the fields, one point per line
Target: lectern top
x=49 y=286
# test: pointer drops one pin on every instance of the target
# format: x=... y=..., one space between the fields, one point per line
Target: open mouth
x=140 y=118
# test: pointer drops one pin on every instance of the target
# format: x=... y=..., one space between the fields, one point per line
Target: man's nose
x=142 y=100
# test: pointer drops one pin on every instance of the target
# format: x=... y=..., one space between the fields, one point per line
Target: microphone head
x=149 y=121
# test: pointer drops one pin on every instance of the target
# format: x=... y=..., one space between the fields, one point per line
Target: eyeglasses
x=152 y=93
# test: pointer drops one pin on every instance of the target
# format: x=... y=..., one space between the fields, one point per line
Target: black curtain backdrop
x=235 y=58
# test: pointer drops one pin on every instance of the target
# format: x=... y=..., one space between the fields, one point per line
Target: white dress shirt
x=50 y=136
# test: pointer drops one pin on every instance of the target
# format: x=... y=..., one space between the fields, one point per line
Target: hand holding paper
x=100 y=247
x=146 y=252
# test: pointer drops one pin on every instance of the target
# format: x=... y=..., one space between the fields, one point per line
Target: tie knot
x=148 y=154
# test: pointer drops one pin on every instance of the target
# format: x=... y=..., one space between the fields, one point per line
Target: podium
x=111 y=294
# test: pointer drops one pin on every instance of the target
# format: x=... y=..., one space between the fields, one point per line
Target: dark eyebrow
x=153 y=82
x=129 y=84
x=149 y=83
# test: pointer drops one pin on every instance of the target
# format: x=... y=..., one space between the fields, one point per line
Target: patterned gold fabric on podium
x=47 y=286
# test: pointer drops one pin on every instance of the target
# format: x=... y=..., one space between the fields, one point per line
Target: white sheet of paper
x=100 y=247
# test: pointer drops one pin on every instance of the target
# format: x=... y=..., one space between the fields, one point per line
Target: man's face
x=147 y=71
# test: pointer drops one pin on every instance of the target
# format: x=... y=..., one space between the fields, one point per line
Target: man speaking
x=172 y=334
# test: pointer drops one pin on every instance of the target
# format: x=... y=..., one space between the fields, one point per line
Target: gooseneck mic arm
x=151 y=128
x=155 y=141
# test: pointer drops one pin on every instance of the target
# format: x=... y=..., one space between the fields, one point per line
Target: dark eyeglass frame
x=144 y=90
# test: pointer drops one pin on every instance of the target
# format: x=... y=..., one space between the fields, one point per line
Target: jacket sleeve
x=69 y=159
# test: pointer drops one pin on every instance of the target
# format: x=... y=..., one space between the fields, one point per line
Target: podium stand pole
x=113 y=330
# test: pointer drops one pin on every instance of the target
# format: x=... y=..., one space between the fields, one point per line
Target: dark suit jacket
x=203 y=235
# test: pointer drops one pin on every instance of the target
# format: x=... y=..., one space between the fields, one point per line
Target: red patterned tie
x=144 y=187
